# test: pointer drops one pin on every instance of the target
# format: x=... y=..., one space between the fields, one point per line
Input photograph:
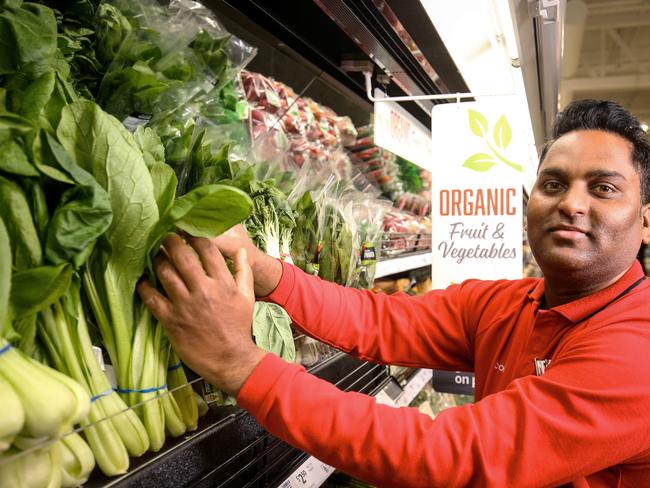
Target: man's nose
x=574 y=201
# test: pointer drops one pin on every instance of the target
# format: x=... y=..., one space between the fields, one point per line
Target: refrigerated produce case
x=307 y=52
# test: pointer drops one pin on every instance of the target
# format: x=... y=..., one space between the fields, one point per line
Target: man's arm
x=426 y=331
x=541 y=431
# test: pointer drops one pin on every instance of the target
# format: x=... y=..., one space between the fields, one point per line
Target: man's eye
x=552 y=186
x=603 y=188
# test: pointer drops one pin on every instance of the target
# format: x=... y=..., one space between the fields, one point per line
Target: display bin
x=230 y=449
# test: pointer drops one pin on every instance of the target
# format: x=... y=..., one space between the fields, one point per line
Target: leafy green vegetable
x=5 y=279
x=27 y=38
x=270 y=214
x=15 y=211
x=112 y=29
x=53 y=282
x=272 y=330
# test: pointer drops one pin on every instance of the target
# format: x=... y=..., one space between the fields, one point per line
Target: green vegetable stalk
x=182 y=391
x=13 y=418
x=76 y=458
x=52 y=402
x=39 y=468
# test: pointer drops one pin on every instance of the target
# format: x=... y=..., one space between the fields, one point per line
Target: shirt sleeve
x=431 y=330
x=590 y=411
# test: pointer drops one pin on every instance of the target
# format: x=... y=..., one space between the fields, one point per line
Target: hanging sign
x=479 y=156
x=400 y=133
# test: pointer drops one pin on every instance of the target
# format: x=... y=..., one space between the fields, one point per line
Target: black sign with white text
x=453 y=382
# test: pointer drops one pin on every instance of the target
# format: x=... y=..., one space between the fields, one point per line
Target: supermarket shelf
x=230 y=449
x=403 y=263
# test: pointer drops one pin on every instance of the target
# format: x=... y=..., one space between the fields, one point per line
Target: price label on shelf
x=413 y=387
x=396 y=396
x=310 y=474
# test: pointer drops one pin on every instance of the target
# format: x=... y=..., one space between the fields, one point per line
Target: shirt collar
x=578 y=310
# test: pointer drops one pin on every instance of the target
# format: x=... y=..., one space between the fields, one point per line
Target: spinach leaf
x=36 y=96
x=27 y=38
x=13 y=160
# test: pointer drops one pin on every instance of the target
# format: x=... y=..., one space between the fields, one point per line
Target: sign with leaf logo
x=477 y=190
x=496 y=142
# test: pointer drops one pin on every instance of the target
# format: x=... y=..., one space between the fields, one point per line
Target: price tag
x=414 y=386
x=310 y=474
x=133 y=121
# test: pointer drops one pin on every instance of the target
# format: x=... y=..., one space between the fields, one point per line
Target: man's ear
x=645 y=230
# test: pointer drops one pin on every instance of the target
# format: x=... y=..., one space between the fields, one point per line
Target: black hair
x=611 y=117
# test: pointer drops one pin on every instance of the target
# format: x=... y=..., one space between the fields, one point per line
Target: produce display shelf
x=401 y=264
x=230 y=449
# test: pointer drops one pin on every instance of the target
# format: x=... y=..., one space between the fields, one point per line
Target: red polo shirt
x=585 y=422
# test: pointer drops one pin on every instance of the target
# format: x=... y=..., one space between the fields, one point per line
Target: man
x=568 y=403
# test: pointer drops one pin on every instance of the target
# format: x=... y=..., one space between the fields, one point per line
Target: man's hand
x=207 y=312
x=267 y=271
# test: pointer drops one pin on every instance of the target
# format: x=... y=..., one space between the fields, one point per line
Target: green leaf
x=14 y=160
x=164 y=186
x=502 y=133
x=83 y=214
x=477 y=123
x=210 y=210
x=100 y=144
x=479 y=162
x=27 y=38
x=15 y=122
x=28 y=299
x=17 y=216
x=206 y=211
x=150 y=145
x=272 y=330
x=5 y=276
x=37 y=95
x=38 y=204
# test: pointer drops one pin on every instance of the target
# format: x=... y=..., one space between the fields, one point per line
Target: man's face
x=584 y=213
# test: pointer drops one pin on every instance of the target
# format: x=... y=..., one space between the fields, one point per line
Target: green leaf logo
x=477 y=123
x=501 y=139
x=479 y=162
x=502 y=133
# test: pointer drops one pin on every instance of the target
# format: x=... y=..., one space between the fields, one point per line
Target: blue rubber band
x=100 y=395
x=4 y=349
x=144 y=390
x=175 y=366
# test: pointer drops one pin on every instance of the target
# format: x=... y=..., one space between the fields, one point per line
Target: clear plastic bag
x=173 y=54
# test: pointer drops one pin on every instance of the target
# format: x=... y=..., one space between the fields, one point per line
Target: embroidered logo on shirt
x=499 y=367
x=541 y=365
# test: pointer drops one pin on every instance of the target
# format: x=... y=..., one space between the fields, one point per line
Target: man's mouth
x=568 y=231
